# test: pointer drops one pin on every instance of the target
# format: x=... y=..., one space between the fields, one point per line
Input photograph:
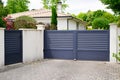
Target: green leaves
x=116 y=56
x=100 y=23
x=47 y=4
x=54 y=19
x=93 y=17
x=3 y=13
x=112 y=4
x=15 y=6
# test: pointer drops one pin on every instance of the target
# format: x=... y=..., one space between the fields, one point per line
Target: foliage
x=116 y=56
x=90 y=16
x=117 y=18
x=15 y=6
x=24 y=22
x=109 y=17
x=112 y=4
x=3 y=13
x=118 y=23
x=82 y=16
x=54 y=19
x=47 y=4
x=98 y=13
x=100 y=23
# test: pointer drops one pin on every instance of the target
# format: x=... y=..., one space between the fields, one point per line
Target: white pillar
x=40 y=27
x=32 y=45
x=113 y=41
x=2 y=47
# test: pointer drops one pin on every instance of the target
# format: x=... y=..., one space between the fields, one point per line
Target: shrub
x=24 y=22
x=100 y=23
x=118 y=23
x=116 y=56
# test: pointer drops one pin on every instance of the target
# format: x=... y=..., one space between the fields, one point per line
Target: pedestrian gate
x=13 y=47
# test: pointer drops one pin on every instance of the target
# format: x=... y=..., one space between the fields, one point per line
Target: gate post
x=32 y=45
x=2 y=47
x=113 y=41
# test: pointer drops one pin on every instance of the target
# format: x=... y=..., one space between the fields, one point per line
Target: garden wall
x=1 y=46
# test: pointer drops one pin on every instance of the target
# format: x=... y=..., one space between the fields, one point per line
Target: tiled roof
x=37 y=13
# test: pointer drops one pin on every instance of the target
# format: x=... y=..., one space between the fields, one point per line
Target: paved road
x=62 y=70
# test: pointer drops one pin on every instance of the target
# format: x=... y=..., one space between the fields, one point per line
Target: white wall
x=72 y=25
x=44 y=20
x=2 y=47
x=81 y=27
x=113 y=41
x=62 y=24
x=32 y=45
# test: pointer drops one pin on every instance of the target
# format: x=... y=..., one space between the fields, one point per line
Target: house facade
x=65 y=21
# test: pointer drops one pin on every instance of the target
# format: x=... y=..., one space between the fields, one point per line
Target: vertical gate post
x=113 y=41
x=75 y=45
x=2 y=47
x=32 y=45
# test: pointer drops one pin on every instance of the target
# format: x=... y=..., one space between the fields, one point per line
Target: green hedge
x=24 y=22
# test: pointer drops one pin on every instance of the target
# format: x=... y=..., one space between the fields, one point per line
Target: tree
x=47 y=4
x=98 y=13
x=112 y=4
x=109 y=17
x=3 y=13
x=100 y=23
x=15 y=6
x=104 y=14
x=90 y=16
x=54 y=19
x=82 y=16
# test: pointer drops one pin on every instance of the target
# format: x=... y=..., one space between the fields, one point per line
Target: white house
x=65 y=21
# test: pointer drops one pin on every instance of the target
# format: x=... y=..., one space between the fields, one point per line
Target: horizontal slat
x=96 y=40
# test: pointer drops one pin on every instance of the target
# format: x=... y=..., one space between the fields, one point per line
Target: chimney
x=59 y=6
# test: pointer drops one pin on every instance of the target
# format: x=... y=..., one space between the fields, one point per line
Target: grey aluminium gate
x=80 y=45
x=13 y=46
x=93 y=45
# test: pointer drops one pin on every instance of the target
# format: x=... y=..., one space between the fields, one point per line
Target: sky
x=75 y=6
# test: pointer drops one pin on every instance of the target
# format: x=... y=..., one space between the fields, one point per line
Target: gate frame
x=75 y=40
x=21 y=46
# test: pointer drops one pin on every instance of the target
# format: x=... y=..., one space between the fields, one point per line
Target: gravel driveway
x=62 y=70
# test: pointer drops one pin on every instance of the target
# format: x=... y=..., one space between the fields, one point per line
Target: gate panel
x=80 y=45
x=13 y=47
x=58 y=45
x=93 y=45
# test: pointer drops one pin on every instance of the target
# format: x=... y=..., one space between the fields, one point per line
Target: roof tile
x=36 y=13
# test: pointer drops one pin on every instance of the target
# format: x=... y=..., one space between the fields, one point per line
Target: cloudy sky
x=75 y=6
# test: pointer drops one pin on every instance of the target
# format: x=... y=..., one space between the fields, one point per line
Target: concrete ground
x=62 y=70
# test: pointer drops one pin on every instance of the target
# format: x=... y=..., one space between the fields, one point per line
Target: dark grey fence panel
x=13 y=47
x=81 y=45
x=58 y=44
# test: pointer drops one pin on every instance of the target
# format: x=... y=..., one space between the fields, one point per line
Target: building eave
x=78 y=20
